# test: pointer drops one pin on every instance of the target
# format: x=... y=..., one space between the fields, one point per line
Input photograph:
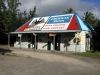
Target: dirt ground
x=24 y=62
x=37 y=63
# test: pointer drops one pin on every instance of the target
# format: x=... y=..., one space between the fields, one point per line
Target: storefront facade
x=61 y=33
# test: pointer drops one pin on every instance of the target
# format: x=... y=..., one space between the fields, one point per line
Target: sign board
x=59 y=19
x=52 y=34
x=19 y=35
x=37 y=23
x=58 y=22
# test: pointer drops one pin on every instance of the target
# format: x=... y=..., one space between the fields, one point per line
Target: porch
x=61 y=41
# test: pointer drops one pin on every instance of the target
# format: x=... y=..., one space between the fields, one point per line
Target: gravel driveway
x=47 y=64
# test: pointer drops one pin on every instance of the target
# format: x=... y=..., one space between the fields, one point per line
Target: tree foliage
x=90 y=18
x=8 y=13
x=2 y=14
x=69 y=10
x=32 y=13
x=11 y=17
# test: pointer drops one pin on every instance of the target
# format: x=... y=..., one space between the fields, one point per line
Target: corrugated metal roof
x=58 y=23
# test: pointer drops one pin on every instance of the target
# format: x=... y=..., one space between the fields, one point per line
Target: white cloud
x=53 y=7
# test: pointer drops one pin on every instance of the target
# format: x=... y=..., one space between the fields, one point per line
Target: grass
x=90 y=54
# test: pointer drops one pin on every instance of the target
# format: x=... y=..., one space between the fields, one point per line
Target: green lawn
x=90 y=54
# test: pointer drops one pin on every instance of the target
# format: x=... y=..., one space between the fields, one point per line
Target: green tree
x=32 y=13
x=13 y=6
x=11 y=15
x=2 y=15
x=95 y=22
x=3 y=8
x=2 y=5
x=21 y=19
x=96 y=37
x=25 y=14
x=69 y=10
x=90 y=18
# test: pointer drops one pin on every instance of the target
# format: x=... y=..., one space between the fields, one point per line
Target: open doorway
x=50 y=42
x=57 y=42
x=54 y=44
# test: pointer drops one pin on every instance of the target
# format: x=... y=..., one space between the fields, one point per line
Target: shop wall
x=42 y=41
x=68 y=44
x=25 y=41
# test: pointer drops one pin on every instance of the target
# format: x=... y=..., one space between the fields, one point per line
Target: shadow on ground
x=4 y=51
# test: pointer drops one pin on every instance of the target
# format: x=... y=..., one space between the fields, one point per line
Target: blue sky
x=95 y=6
x=54 y=7
x=94 y=2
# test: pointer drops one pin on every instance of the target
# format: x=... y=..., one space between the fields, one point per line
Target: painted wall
x=66 y=42
x=42 y=41
x=83 y=41
x=23 y=45
x=25 y=41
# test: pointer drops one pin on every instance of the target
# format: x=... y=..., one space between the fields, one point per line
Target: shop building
x=61 y=33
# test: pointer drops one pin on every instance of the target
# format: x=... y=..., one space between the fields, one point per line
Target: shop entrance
x=33 y=41
x=57 y=42
x=50 y=42
x=54 y=42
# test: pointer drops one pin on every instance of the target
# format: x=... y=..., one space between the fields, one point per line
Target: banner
x=37 y=23
x=58 y=22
